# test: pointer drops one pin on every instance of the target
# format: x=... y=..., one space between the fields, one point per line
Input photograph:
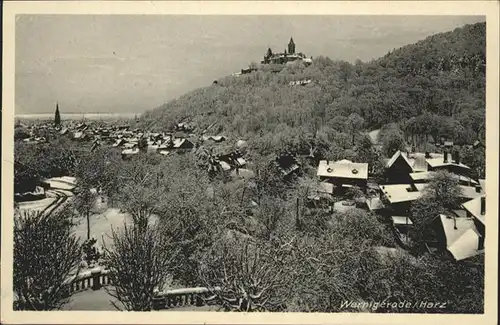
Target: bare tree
x=139 y=261
x=84 y=203
x=140 y=192
x=45 y=254
x=245 y=276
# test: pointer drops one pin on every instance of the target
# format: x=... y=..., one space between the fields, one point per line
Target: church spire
x=57 y=117
x=291 y=46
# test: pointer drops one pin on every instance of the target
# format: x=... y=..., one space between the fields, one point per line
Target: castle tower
x=269 y=53
x=291 y=46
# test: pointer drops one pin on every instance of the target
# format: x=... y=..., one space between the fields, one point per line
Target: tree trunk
x=297 y=218
x=88 y=225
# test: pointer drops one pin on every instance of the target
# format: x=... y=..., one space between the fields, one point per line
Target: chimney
x=457 y=157
x=445 y=156
x=455 y=222
x=483 y=206
x=408 y=154
x=427 y=155
x=478 y=188
x=480 y=244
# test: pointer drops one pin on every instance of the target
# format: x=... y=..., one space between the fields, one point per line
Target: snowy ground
x=102 y=224
x=37 y=205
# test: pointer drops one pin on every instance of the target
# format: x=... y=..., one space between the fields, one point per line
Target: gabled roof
x=343 y=169
x=118 y=142
x=395 y=157
x=462 y=238
x=482 y=182
x=374 y=136
x=241 y=161
x=374 y=203
x=225 y=165
x=179 y=142
x=474 y=208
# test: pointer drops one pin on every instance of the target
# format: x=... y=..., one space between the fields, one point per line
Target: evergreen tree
x=57 y=118
x=45 y=254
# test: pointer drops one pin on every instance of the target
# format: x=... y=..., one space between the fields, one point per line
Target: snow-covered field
x=102 y=224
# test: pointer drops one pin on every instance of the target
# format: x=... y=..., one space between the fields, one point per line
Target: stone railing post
x=96 y=279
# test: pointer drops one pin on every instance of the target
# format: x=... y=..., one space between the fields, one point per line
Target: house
x=344 y=173
x=321 y=194
x=241 y=162
x=398 y=168
x=129 y=145
x=129 y=152
x=224 y=165
x=398 y=197
x=118 y=142
x=151 y=148
x=459 y=237
x=476 y=210
x=401 y=226
x=287 y=164
x=424 y=177
x=79 y=136
x=184 y=127
x=249 y=70
x=181 y=145
x=242 y=173
x=482 y=183
x=374 y=203
x=449 y=163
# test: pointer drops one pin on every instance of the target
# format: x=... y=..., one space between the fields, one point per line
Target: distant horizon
x=76 y=115
x=135 y=63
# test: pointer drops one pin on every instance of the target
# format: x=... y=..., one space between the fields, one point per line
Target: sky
x=124 y=64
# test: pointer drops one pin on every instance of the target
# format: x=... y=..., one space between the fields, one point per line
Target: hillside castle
x=285 y=57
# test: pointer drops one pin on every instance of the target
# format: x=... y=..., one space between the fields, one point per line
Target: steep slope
x=443 y=75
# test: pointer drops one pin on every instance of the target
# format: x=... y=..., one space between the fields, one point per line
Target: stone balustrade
x=97 y=278
x=198 y=296
x=93 y=279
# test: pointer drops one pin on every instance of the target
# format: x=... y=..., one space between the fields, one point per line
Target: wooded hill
x=435 y=88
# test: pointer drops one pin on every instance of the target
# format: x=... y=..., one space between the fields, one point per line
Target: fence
x=198 y=296
x=94 y=279
x=97 y=278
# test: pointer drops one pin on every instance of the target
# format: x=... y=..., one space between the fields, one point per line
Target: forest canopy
x=441 y=78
